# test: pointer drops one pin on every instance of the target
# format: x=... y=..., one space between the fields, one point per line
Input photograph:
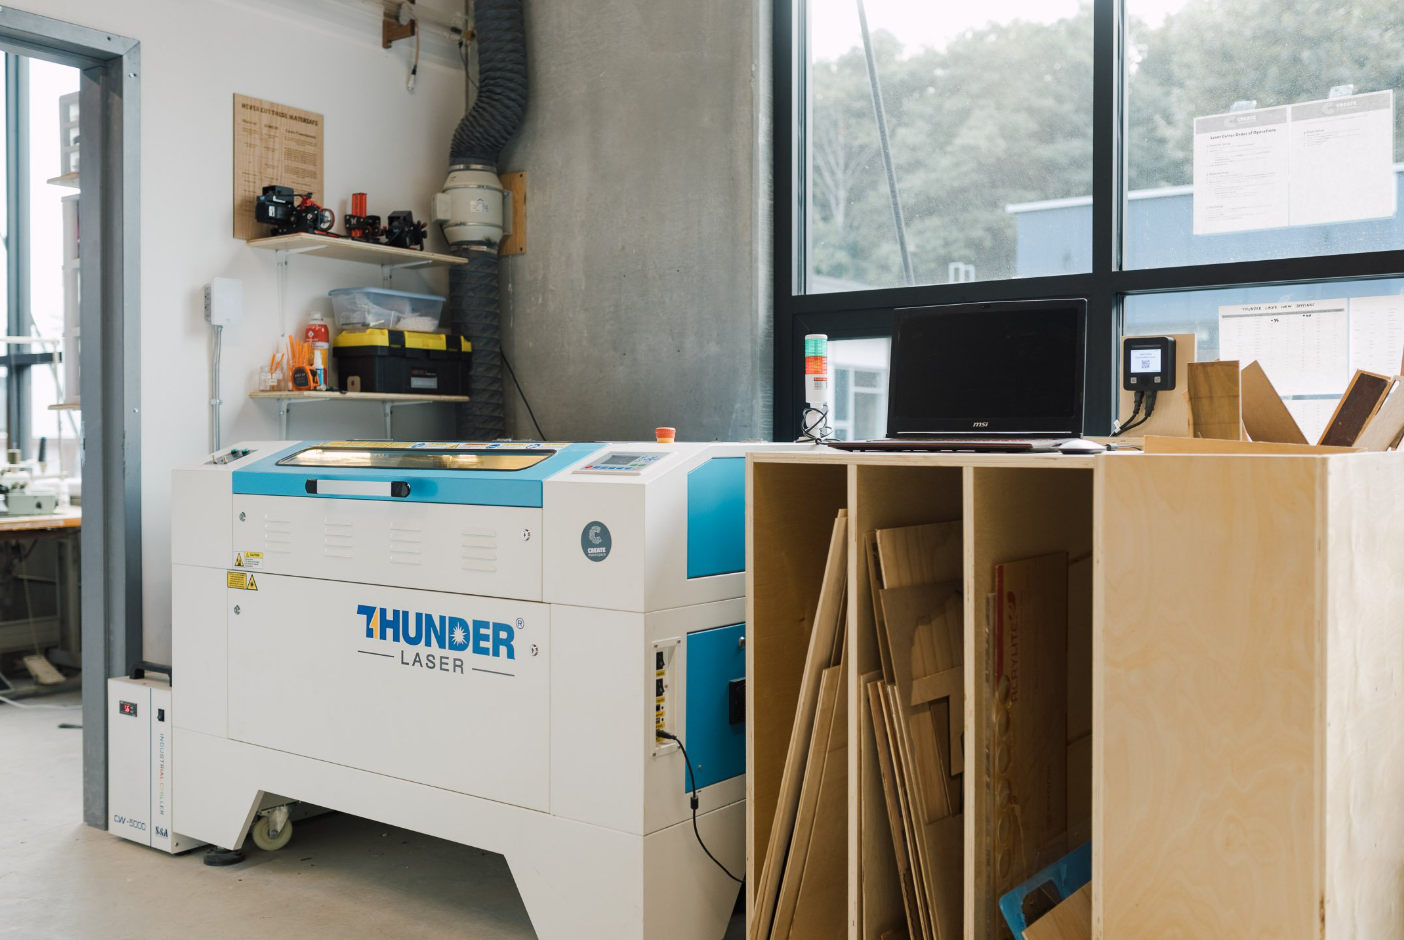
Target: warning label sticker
x=242 y=581
x=248 y=560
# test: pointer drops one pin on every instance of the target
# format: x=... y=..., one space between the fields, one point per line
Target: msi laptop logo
x=979 y=424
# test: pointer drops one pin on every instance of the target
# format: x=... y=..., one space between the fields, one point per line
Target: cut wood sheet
x=1179 y=445
x=911 y=825
x=1387 y=427
x=1030 y=749
x=920 y=554
x=821 y=911
x=925 y=640
x=1080 y=649
x=1362 y=398
x=829 y=614
x=1070 y=920
x=798 y=852
x=884 y=902
x=939 y=845
x=1265 y=414
x=1215 y=407
x=274 y=145
x=937 y=655
x=893 y=802
x=840 y=634
x=870 y=554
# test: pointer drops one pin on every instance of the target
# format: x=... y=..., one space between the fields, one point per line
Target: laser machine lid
x=497 y=473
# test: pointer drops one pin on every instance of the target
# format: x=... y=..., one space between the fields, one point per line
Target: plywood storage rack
x=1243 y=663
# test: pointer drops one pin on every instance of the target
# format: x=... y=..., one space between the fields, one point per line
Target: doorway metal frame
x=109 y=319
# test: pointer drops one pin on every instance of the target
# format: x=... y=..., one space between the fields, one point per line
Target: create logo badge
x=595 y=541
x=453 y=635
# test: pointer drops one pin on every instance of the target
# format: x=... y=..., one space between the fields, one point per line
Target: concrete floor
x=341 y=876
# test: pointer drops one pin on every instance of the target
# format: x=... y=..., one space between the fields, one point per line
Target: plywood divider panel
x=1011 y=513
x=1206 y=742
x=788 y=528
x=880 y=496
x=1364 y=687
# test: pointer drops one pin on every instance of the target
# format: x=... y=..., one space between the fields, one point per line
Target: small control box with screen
x=1148 y=363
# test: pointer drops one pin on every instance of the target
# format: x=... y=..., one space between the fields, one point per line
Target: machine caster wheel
x=270 y=843
x=218 y=858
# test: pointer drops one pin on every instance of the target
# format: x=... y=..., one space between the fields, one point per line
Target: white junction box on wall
x=140 y=772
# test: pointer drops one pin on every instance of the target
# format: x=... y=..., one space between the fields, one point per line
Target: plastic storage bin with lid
x=379 y=308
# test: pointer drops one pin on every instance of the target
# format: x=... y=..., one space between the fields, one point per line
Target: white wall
x=379 y=139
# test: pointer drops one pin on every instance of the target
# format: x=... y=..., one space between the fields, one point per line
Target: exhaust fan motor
x=473 y=208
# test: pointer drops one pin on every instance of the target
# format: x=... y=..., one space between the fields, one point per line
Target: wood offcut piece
x=1265 y=414
x=1386 y=428
x=1214 y=400
x=1182 y=445
x=1362 y=398
x=1070 y=920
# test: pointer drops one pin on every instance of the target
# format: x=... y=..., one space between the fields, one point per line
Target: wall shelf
x=387 y=400
x=347 y=249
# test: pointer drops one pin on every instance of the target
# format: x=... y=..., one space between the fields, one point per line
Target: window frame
x=869 y=313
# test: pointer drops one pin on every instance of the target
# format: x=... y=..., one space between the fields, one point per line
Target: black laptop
x=999 y=377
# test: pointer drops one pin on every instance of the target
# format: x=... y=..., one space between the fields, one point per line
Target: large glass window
x=1161 y=158
x=1262 y=129
x=1309 y=338
x=859 y=399
x=929 y=125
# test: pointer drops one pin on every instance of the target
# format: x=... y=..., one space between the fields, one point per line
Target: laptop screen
x=995 y=368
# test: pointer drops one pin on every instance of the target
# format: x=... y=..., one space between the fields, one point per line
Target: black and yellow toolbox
x=401 y=361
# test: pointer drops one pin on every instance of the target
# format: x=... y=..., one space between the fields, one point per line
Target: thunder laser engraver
x=477 y=642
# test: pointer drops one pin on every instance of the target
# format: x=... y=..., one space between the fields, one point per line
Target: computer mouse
x=1080 y=445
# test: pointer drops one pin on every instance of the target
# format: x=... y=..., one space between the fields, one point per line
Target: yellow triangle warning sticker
x=253 y=586
x=239 y=560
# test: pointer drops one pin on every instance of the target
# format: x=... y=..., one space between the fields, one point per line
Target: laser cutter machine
x=478 y=642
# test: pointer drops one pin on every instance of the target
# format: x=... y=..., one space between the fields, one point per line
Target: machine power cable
x=668 y=735
x=1150 y=409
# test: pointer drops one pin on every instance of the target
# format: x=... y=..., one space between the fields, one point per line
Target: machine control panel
x=663 y=653
x=617 y=464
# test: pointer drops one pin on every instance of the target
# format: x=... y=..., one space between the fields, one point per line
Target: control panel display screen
x=622 y=463
x=127 y=708
x=1145 y=360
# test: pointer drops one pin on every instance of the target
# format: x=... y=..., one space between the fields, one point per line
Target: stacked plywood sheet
x=918 y=715
x=801 y=892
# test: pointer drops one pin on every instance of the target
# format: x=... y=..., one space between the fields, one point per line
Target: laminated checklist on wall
x=1314 y=163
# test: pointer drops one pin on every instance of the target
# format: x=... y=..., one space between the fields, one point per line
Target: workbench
x=50 y=615
x=1241 y=606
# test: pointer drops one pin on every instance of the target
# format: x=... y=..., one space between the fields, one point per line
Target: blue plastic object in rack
x=1066 y=876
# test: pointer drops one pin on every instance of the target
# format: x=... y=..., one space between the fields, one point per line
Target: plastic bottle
x=319 y=341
